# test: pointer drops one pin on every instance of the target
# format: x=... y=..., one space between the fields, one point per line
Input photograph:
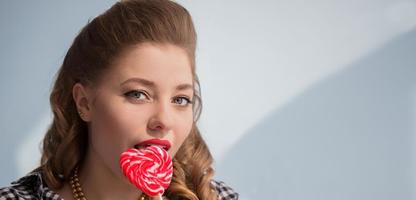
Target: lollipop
x=149 y=169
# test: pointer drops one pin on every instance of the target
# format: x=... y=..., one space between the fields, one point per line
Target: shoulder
x=13 y=192
x=20 y=189
x=225 y=192
x=28 y=187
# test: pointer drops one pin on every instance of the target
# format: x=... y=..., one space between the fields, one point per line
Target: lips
x=165 y=144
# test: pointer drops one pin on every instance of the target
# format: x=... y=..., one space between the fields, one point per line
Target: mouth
x=164 y=144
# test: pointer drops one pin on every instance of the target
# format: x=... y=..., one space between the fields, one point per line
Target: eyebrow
x=152 y=84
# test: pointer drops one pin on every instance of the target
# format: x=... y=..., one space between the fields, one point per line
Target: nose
x=161 y=121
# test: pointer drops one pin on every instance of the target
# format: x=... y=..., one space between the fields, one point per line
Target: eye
x=182 y=100
x=136 y=94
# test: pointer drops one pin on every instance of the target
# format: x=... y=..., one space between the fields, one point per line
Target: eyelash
x=128 y=94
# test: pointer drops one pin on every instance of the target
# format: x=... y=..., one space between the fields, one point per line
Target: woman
x=128 y=79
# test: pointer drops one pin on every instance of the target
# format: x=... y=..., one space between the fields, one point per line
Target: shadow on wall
x=349 y=136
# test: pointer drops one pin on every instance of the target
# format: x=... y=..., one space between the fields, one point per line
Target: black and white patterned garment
x=32 y=186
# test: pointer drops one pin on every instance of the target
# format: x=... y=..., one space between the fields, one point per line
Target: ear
x=83 y=101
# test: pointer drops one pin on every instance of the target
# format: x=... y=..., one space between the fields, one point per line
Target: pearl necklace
x=77 y=190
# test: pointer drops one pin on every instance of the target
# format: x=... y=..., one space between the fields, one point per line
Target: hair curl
x=95 y=48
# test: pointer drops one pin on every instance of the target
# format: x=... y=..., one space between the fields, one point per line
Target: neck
x=100 y=182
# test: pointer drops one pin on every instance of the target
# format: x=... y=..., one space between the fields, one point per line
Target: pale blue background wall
x=302 y=100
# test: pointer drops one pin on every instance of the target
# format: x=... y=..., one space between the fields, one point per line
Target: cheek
x=183 y=132
x=115 y=126
x=110 y=121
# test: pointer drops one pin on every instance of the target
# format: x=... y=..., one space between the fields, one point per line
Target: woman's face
x=146 y=94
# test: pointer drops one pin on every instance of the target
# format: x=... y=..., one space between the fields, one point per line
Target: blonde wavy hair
x=98 y=44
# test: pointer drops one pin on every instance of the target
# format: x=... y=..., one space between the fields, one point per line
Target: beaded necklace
x=77 y=192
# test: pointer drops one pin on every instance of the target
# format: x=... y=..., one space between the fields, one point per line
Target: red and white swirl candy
x=149 y=169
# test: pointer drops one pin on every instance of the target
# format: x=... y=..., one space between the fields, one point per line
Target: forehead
x=165 y=65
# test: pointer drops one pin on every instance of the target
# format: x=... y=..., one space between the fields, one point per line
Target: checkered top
x=32 y=186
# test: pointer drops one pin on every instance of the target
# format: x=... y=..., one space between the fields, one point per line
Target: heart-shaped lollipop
x=149 y=169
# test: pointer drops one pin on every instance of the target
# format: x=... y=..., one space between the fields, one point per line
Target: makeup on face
x=164 y=144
